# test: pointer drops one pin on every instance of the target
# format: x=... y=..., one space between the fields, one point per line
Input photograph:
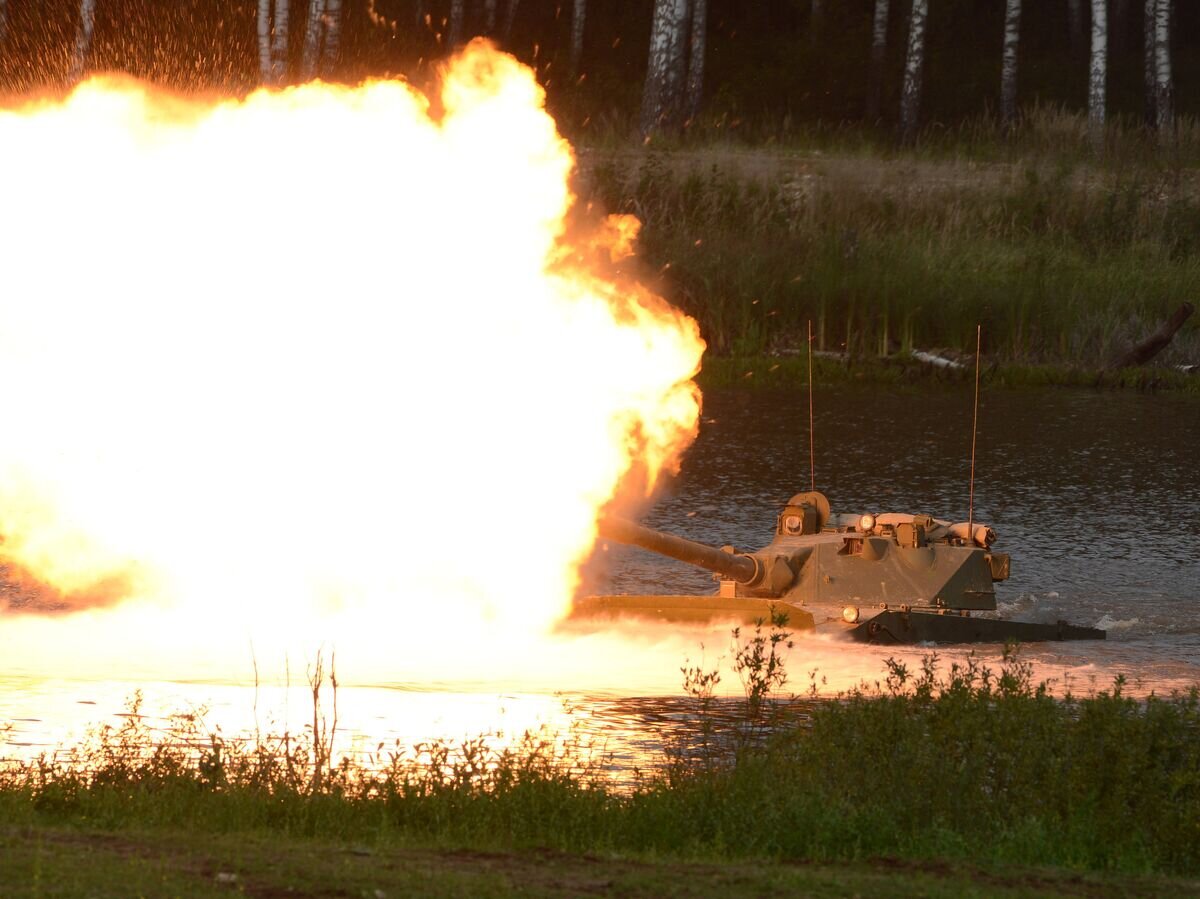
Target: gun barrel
x=741 y=568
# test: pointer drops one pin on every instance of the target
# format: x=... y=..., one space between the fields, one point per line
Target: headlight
x=850 y=613
x=866 y=523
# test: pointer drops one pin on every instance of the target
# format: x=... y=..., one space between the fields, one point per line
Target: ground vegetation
x=947 y=776
x=793 y=186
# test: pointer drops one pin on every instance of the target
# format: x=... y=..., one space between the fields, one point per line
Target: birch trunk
x=279 y=43
x=332 y=24
x=578 y=17
x=1075 y=22
x=454 y=31
x=421 y=13
x=1008 y=70
x=312 y=40
x=264 y=41
x=489 y=16
x=679 y=62
x=661 y=97
x=1164 y=90
x=815 y=19
x=699 y=44
x=914 y=64
x=1098 y=74
x=510 y=16
x=3 y=19
x=1150 y=60
x=878 y=61
x=83 y=38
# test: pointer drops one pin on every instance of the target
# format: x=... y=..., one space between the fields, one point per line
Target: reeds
x=1060 y=264
x=1045 y=134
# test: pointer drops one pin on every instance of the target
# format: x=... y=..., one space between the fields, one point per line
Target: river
x=1095 y=495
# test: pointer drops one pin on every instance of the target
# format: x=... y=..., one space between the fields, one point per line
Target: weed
x=760 y=663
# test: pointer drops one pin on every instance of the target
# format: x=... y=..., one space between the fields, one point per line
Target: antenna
x=974 y=435
x=812 y=451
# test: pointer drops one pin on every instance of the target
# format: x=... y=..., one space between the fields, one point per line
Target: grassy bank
x=902 y=369
x=1062 y=263
x=961 y=774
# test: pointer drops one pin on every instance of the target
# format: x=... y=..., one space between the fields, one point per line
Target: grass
x=1060 y=264
x=1044 y=134
x=903 y=370
x=977 y=780
x=61 y=861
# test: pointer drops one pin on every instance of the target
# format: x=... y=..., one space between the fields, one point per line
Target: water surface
x=1094 y=494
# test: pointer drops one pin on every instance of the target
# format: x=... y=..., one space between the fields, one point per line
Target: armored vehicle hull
x=888 y=578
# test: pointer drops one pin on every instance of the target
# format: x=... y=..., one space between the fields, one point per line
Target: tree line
x=666 y=63
x=676 y=61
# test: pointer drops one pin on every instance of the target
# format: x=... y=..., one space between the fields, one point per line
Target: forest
x=761 y=69
x=893 y=172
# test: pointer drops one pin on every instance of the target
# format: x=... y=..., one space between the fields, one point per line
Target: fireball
x=320 y=364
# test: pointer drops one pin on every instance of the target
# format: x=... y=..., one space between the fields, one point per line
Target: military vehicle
x=882 y=578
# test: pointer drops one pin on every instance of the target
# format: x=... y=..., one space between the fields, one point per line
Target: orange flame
x=317 y=357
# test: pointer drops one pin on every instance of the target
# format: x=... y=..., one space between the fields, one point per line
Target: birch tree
x=273 y=41
x=661 y=99
x=914 y=64
x=454 y=30
x=510 y=16
x=1008 y=69
x=279 y=43
x=312 y=39
x=695 y=73
x=420 y=13
x=322 y=37
x=265 y=67
x=1150 y=60
x=1163 y=87
x=83 y=38
x=878 y=61
x=578 y=16
x=332 y=23
x=3 y=19
x=1098 y=74
x=489 y=16
x=816 y=16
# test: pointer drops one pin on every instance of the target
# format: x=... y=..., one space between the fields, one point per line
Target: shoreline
x=904 y=370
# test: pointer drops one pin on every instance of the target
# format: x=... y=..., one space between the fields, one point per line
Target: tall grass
x=1058 y=264
x=970 y=763
x=1043 y=134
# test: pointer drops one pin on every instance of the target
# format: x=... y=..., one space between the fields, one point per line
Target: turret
x=770 y=572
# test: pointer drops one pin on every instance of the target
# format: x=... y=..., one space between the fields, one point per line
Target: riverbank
x=905 y=369
x=1062 y=262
